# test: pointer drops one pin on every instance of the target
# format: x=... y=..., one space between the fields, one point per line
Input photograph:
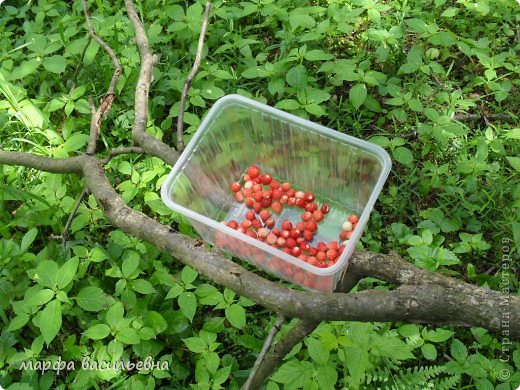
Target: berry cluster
x=267 y=197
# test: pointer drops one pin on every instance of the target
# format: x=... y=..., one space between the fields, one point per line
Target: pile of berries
x=266 y=197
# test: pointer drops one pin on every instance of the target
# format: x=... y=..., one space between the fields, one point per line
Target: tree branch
x=453 y=302
x=189 y=79
x=150 y=144
x=53 y=165
x=265 y=348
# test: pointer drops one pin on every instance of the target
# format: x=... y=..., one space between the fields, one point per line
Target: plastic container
x=344 y=171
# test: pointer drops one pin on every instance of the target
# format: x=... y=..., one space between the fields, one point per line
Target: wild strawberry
x=280 y=241
x=285 y=187
x=296 y=251
x=325 y=208
x=347 y=226
x=305 y=246
x=257 y=188
x=246 y=223
x=266 y=203
x=253 y=171
x=306 y=216
x=247 y=192
x=242 y=230
x=270 y=222
x=295 y=233
x=274 y=184
x=291 y=193
x=257 y=207
x=246 y=177
x=256 y=223
x=300 y=202
x=353 y=218
x=285 y=234
x=321 y=256
x=322 y=247
x=233 y=224
x=252 y=233
x=300 y=226
x=249 y=184
x=277 y=207
x=332 y=254
x=291 y=201
x=333 y=245
x=235 y=186
x=300 y=240
x=249 y=202
x=277 y=194
x=276 y=231
x=250 y=215
x=287 y=250
x=317 y=215
x=239 y=197
x=287 y=225
x=299 y=195
x=312 y=260
x=309 y=197
x=343 y=235
x=311 y=225
x=303 y=257
x=258 y=196
x=290 y=242
x=266 y=179
x=263 y=232
x=267 y=194
x=271 y=239
x=312 y=251
x=264 y=214
x=308 y=235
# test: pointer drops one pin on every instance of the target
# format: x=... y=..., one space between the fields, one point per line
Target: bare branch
x=455 y=302
x=121 y=150
x=106 y=102
x=189 y=79
x=482 y=116
x=150 y=144
x=65 y=235
x=53 y=165
x=265 y=348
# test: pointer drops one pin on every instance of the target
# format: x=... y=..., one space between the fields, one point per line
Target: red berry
x=249 y=202
x=266 y=179
x=333 y=245
x=300 y=240
x=233 y=224
x=256 y=223
x=247 y=192
x=343 y=235
x=341 y=249
x=299 y=195
x=300 y=202
x=256 y=180
x=253 y=171
x=321 y=256
x=312 y=260
x=263 y=232
x=300 y=226
x=249 y=184
x=266 y=203
x=317 y=215
x=246 y=223
x=325 y=208
x=276 y=232
x=306 y=216
x=250 y=215
x=295 y=233
x=270 y=222
x=277 y=207
x=280 y=241
x=353 y=218
x=277 y=194
x=284 y=199
x=257 y=188
x=309 y=197
x=274 y=184
x=287 y=225
x=242 y=230
x=267 y=194
x=285 y=234
x=257 y=207
x=246 y=177
x=239 y=197
x=311 y=225
x=252 y=233
x=303 y=257
x=322 y=247
x=296 y=251
x=271 y=239
x=311 y=207
x=285 y=187
x=291 y=193
x=332 y=254
x=258 y=196
x=235 y=186
x=290 y=242
x=308 y=235
x=287 y=250
x=291 y=201
x=305 y=246
x=312 y=251
x=264 y=214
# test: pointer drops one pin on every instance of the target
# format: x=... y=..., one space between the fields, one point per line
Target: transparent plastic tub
x=346 y=172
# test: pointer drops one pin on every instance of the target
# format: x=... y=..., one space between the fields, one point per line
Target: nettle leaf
x=357 y=95
x=97 y=332
x=357 y=363
x=188 y=304
x=327 y=377
x=458 y=351
x=294 y=372
x=317 y=350
x=93 y=299
x=236 y=315
x=49 y=321
x=297 y=76
x=67 y=272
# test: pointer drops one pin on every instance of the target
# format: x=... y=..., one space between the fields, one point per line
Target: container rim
x=233 y=99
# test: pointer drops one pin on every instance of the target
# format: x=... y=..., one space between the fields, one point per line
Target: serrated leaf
x=40 y=297
x=439 y=335
x=174 y=292
x=458 y=351
x=327 y=377
x=92 y=299
x=357 y=95
x=128 y=336
x=67 y=272
x=513 y=133
x=317 y=350
x=236 y=315
x=97 y=332
x=143 y=286
x=75 y=142
x=195 y=344
x=294 y=372
x=188 y=304
x=408 y=330
x=297 y=76
x=50 y=321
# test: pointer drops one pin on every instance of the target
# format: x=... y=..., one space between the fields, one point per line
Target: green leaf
x=174 y=292
x=515 y=162
x=92 y=299
x=438 y=335
x=403 y=155
x=188 y=304
x=317 y=350
x=40 y=298
x=297 y=77
x=458 y=351
x=357 y=363
x=514 y=133
x=155 y=321
x=115 y=314
x=130 y=263
x=47 y=273
x=97 y=332
x=314 y=109
x=18 y=322
x=327 y=377
x=195 y=344
x=28 y=239
x=67 y=272
x=143 y=286
x=318 y=55
x=408 y=330
x=294 y=372
x=50 y=321
x=75 y=142
x=128 y=336
x=357 y=95
x=55 y=64
x=188 y=275
x=288 y=104
x=429 y=351
x=98 y=254
x=450 y=12
x=392 y=347
x=236 y=315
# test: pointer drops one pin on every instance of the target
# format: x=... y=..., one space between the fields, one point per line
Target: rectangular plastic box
x=346 y=172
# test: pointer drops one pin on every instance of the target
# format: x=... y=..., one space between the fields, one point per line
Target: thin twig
x=485 y=118
x=65 y=235
x=189 y=79
x=121 y=150
x=106 y=102
x=266 y=347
